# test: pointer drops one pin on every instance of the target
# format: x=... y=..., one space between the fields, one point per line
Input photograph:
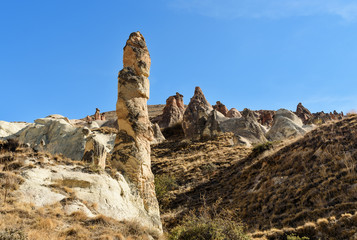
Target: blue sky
x=63 y=56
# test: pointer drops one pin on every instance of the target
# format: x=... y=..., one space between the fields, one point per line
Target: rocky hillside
x=45 y=196
x=307 y=186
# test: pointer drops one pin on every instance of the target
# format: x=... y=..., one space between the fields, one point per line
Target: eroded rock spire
x=131 y=155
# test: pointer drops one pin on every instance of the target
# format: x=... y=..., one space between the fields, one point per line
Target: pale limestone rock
x=11 y=129
x=234 y=113
x=95 y=153
x=285 y=125
x=158 y=137
x=131 y=154
x=246 y=128
x=112 y=196
x=212 y=127
x=77 y=206
x=58 y=136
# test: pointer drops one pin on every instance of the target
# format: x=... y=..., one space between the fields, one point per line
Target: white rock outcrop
x=111 y=196
x=285 y=125
x=57 y=135
x=11 y=129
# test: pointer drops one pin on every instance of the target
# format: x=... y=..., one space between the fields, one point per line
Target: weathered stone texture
x=131 y=154
x=196 y=115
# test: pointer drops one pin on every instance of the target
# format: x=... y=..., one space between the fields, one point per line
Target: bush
x=163 y=185
x=208 y=225
x=259 y=149
x=294 y=237
x=12 y=234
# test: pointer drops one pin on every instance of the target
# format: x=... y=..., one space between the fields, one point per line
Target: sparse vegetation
x=294 y=237
x=164 y=184
x=207 y=224
x=12 y=234
x=260 y=148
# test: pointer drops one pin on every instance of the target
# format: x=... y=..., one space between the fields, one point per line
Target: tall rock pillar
x=131 y=154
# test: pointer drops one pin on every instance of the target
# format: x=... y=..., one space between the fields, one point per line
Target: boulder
x=303 y=113
x=131 y=154
x=285 y=125
x=220 y=107
x=172 y=113
x=246 y=128
x=233 y=113
x=196 y=115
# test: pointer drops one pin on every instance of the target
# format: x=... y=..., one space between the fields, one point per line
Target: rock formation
x=11 y=129
x=172 y=113
x=303 y=113
x=196 y=115
x=286 y=124
x=246 y=128
x=212 y=127
x=95 y=153
x=131 y=154
x=233 y=113
x=265 y=117
x=97 y=114
x=55 y=134
x=322 y=117
x=157 y=134
x=220 y=107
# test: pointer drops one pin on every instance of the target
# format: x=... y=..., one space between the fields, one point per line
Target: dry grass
x=310 y=178
x=25 y=221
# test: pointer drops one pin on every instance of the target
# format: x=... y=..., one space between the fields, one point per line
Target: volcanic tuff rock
x=158 y=137
x=172 y=113
x=196 y=115
x=220 y=107
x=55 y=134
x=131 y=154
x=212 y=127
x=286 y=124
x=246 y=128
x=233 y=113
x=11 y=129
x=265 y=117
x=303 y=113
x=95 y=152
x=322 y=117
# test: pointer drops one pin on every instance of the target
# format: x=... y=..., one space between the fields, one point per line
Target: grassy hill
x=308 y=186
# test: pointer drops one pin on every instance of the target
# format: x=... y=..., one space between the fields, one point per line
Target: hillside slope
x=311 y=179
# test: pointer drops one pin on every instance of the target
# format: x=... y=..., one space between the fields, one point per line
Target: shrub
x=12 y=234
x=294 y=237
x=209 y=225
x=163 y=185
x=259 y=149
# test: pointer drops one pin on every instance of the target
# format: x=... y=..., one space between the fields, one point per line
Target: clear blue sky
x=63 y=56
